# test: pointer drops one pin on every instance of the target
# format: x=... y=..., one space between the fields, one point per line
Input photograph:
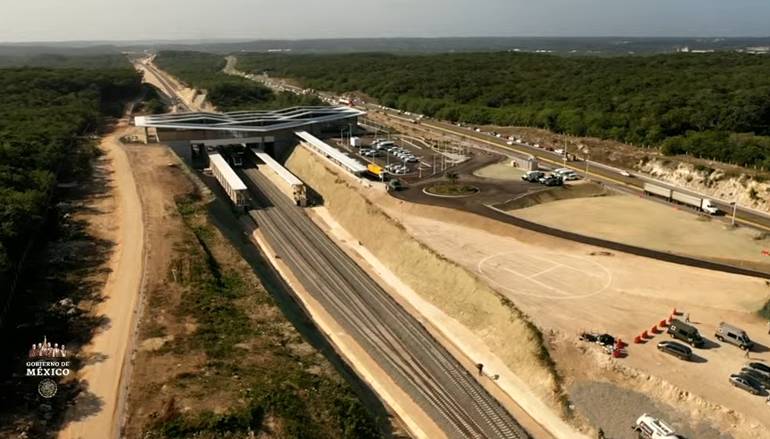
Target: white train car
x=229 y=180
x=298 y=188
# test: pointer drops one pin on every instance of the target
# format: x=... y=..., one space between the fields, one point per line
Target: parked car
x=552 y=180
x=745 y=383
x=734 y=335
x=759 y=367
x=676 y=349
x=533 y=176
x=762 y=379
x=412 y=159
x=686 y=333
x=570 y=176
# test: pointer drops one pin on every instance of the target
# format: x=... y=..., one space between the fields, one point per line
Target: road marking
x=544 y=271
x=542 y=284
x=502 y=262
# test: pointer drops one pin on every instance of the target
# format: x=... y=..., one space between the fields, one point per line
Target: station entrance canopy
x=293 y=118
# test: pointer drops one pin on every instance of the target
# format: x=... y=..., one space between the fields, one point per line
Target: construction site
x=478 y=299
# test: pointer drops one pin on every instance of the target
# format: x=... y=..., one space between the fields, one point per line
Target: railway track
x=435 y=380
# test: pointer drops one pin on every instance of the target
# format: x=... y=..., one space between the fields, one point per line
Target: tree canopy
x=44 y=114
x=714 y=106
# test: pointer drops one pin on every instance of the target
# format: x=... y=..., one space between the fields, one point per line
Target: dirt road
x=106 y=354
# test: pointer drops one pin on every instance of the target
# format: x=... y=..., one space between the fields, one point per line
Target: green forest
x=101 y=61
x=45 y=116
x=714 y=106
x=229 y=93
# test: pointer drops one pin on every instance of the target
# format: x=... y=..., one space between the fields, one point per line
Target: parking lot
x=406 y=157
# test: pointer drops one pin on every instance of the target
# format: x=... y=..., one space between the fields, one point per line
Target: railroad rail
x=418 y=363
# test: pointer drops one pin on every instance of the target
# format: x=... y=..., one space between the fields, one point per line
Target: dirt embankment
x=729 y=185
x=454 y=290
x=568 y=192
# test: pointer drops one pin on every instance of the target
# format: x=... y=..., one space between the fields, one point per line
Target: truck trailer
x=702 y=204
x=660 y=191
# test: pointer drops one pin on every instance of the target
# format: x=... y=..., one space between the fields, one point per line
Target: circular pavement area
x=545 y=274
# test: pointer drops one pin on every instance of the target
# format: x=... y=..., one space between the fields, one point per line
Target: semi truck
x=702 y=204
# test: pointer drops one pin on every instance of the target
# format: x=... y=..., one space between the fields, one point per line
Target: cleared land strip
x=403 y=347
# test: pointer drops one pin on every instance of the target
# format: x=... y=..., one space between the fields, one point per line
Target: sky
x=89 y=20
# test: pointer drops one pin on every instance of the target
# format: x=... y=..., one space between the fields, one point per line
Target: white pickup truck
x=649 y=427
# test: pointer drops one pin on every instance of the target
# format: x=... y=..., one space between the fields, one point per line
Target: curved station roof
x=253 y=121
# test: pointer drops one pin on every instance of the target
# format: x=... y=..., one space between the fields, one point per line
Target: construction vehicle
x=649 y=427
x=377 y=171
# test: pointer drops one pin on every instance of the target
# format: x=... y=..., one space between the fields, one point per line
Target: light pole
x=588 y=158
x=735 y=208
x=564 y=155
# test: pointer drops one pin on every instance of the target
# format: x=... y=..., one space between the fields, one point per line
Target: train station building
x=270 y=131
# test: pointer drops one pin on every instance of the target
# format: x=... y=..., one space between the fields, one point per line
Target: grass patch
x=260 y=385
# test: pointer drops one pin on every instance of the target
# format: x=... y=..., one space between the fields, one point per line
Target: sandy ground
x=163 y=228
x=121 y=291
x=626 y=219
x=500 y=171
x=567 y=287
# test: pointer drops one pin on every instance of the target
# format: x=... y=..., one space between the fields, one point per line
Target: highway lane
x=434 y=379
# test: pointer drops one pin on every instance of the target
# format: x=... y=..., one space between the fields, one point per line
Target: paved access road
x=415 y=361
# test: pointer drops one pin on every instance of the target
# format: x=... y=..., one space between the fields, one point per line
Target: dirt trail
x=107 y=350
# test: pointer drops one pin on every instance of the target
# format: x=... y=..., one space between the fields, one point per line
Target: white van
x=653 y=428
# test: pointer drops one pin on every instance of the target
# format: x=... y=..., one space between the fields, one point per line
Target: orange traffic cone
x=662 y=324
x=654 y=329
x=645 y=334
x=638 y=339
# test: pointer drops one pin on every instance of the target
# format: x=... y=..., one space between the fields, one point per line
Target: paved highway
x=596 y=170
x=429 y=374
